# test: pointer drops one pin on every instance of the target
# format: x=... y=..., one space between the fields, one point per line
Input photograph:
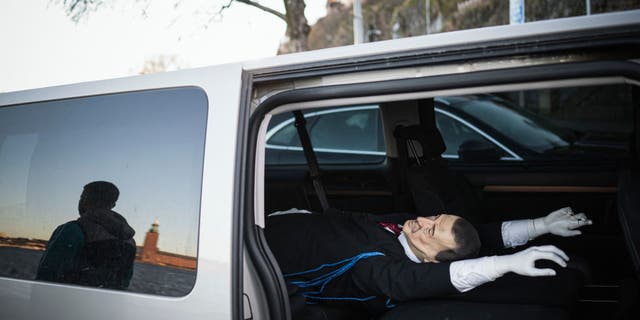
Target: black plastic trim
x=623 y=41
x=465 y=80
x=263 y=260
x=239 y=209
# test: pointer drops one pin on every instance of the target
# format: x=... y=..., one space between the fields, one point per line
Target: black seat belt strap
x=312 y=162
x=403 y=161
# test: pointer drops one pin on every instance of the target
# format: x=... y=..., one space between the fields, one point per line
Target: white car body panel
x=211 y=295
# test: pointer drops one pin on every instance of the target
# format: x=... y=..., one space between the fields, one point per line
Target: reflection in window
x=516 y=125
x=592 y=122
x=454 y=133
x=148 y=144
x=339 y=136
x=351 y=130
x=287 y=136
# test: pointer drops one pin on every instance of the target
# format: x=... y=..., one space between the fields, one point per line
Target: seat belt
x=312 y=161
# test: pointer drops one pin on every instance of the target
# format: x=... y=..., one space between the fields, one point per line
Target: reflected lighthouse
x=149 y=252
x=150 y=247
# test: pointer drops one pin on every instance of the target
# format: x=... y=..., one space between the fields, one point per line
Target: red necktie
x=391 y=227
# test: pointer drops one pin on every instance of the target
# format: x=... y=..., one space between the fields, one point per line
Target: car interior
x=488 y=155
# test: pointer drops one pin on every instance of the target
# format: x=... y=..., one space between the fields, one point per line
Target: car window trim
x=329 y=150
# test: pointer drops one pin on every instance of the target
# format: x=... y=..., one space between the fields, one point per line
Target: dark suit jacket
x=302 y=242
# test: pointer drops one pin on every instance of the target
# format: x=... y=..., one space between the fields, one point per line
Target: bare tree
x=297 y=26
x=160 y=63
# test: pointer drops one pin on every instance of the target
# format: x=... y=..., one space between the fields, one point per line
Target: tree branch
x=264 y=8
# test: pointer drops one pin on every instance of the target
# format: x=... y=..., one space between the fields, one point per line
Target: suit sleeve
x=403 y=280
x=490 y=237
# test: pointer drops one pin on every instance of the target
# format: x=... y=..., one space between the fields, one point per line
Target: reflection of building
x=24 y=243
x=150 y=247
x=149 y=252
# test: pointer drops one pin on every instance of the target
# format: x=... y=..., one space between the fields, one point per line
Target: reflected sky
x=149 y=144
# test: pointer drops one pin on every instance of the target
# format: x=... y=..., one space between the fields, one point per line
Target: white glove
x=523 y=262
x=561 y=222
x=468 y=274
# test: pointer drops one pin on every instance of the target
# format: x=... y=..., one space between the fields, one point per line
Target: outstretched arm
x=562 y=222
x=405 y=280
x=468 y=274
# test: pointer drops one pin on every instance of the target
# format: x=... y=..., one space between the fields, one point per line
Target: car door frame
x=535 y=73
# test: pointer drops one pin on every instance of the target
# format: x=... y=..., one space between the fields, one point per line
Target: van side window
x=104 y=191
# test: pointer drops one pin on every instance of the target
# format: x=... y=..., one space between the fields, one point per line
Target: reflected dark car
x=514 y=133
x=474 y=128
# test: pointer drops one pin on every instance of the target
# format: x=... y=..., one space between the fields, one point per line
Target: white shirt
x=407 y=250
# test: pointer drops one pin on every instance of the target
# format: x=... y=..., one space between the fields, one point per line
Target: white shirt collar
x=407 y=250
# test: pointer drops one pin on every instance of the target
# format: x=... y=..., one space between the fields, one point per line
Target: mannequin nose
x=425 y=222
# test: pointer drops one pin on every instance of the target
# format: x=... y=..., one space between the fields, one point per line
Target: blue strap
x=324 y=279
x=389 y=305
x=319 y=267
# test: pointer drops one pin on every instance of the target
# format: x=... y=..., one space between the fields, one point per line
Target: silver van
x=200 y=157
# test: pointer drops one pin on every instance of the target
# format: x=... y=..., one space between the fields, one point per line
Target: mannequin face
x=427 y=236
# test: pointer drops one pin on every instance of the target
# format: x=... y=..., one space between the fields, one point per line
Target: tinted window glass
x=582 y=123
x=286 y=137
x=349 y=130
x=455 y=133
x=103 y=191
x=338 y=135
x=516 y=125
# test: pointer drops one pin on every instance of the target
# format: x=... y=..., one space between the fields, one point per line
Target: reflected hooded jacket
x=95 y=250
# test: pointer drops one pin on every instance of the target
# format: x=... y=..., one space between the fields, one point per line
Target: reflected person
x=96 y=249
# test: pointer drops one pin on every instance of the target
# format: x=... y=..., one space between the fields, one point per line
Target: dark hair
x=101 y=194
x=467 y=242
